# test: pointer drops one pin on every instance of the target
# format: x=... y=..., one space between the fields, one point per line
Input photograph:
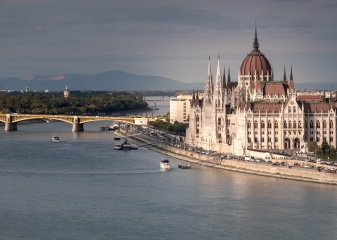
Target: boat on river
x=184 y=166
x=55 y=138
x=105 y=127
x=118 y=146
x=165 y=164
x=114 y=127
x=117 y=138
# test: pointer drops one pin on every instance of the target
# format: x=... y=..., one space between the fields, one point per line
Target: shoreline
x=297 y=174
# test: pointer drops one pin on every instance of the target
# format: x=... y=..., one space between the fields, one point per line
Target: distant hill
x=117 y=80
x=111 y=80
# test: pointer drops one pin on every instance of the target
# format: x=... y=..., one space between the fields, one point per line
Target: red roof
x=278 y=88
x=310 y=98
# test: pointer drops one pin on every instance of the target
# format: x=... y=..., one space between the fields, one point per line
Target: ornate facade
x=257 y=112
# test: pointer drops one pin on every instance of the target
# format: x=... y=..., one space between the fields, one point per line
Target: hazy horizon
x=167 y=39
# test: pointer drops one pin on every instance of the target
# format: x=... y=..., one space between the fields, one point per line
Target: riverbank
x=267 y=170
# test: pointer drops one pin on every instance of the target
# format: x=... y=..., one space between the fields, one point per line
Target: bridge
x=11 y=120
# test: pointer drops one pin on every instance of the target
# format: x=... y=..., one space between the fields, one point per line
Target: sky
x=171 y=39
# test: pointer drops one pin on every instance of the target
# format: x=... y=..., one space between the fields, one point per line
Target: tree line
x=84 y=103
x=176 y=127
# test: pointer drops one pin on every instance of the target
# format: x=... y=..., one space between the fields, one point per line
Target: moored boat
x=55 y=138
x=114 y=127
x=118 y=146
x=165 y=164
x=184 y=166
x=117 y=138
x=105 y=127
x=126 y=146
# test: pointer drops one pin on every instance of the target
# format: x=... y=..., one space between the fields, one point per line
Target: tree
x=313 y=147
x=325 y=147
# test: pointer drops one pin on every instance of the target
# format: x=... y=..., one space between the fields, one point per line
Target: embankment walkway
x=294 y=173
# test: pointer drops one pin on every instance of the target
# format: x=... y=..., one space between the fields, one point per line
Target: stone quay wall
x=294 y=173
x=262 y=169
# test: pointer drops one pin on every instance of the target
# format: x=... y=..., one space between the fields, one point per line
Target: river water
x=81 y=188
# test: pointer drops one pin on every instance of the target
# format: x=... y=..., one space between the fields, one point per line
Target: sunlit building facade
x=258 y=112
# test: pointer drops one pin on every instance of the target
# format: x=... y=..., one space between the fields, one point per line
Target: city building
x=66 y=92
x=180 y=108
x=258 y=112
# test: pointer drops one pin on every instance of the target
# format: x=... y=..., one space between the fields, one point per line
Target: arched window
x=219 y=121
x=255 y=124
x=249 y=125
x=197 y=118
x=285 y=124
x=324 y=124
x=294 y=109
x=289 y=124
x=262 y=124
x=294 y=124
x=269 y=124
x=276 y=124
x=311 y=124
x=299 y=124
x=331 y=124
x=318 y=124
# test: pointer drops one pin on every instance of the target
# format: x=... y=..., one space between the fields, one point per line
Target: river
x=81 y=188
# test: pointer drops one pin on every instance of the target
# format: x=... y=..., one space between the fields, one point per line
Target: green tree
x=313 y=147
x=325 y=147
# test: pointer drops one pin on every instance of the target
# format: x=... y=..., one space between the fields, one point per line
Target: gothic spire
x=193 y=96
x=291 y=80
x=209 y=66
x=284 y=74
x=224 y=78
x=256 y=41
x=218 y=70
x=229 y=74
x=291 y=72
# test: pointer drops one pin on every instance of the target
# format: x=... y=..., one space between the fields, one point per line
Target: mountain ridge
x=118 y=80
x=109 y=80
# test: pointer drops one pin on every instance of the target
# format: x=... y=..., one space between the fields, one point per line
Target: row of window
x=269 y=132
x=318 y=139
x=262 y=139
x=290 y=124
x=324 y=132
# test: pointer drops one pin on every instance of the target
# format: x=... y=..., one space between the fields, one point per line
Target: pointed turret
x=284 y=74
x=218 y=70
x=224 y=78
x=209 y=67
x=256 y=41
x=208 y=93
x=229 y=84
x=291 y=81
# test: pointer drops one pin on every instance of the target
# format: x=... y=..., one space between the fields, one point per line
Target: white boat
x=165 y=164
x=126 y=146
x=55 y=138
x=114 y=127
x=118 y=146
x=105 y=127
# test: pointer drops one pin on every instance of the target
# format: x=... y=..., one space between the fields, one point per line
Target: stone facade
x=257 y=112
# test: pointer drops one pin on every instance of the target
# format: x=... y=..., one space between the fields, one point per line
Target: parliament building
x=258 y=112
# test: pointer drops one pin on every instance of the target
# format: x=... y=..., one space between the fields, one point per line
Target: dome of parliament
x=255 y=62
